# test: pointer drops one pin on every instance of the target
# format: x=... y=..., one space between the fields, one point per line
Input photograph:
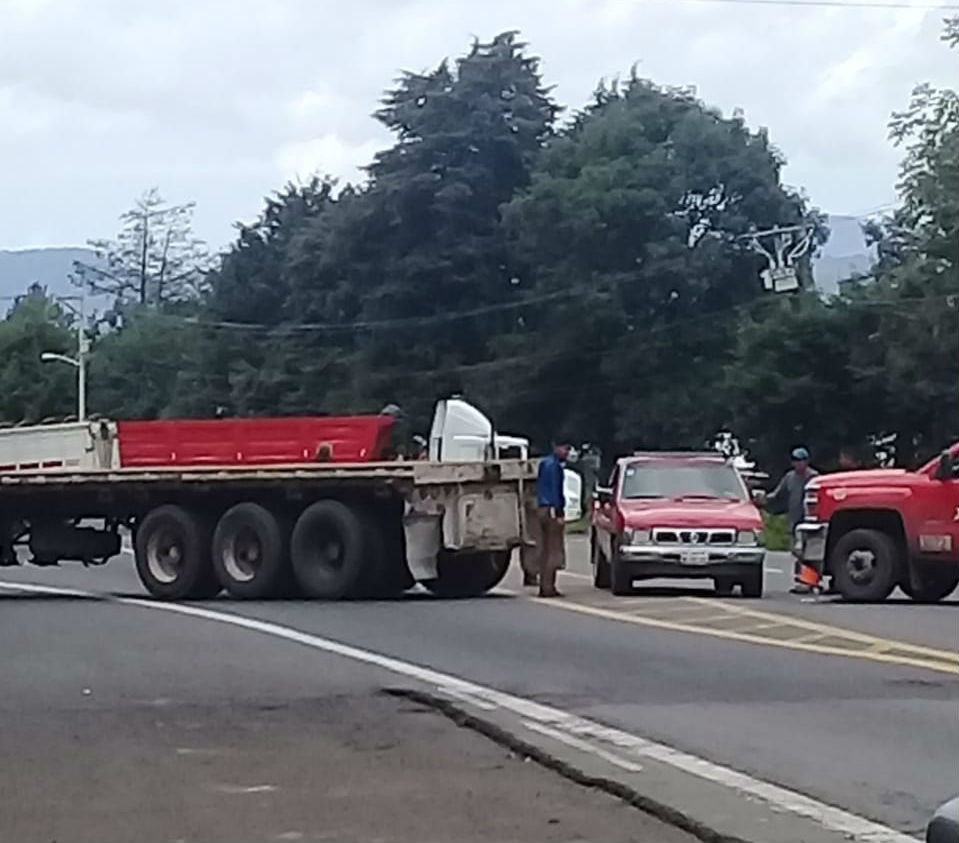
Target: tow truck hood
x=643 y=514
x=868 y=477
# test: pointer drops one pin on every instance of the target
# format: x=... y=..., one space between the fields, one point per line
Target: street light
x=79 y=362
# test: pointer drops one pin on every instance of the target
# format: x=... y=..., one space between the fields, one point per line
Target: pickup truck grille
x=705 y=537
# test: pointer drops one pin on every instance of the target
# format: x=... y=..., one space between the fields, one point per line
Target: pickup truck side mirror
x=604 y=494
x=946 y=469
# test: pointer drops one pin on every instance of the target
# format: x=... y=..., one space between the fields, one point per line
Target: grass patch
x=777 y=532
x=580 y=527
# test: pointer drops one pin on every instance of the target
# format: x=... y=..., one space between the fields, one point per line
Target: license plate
x=694 y=557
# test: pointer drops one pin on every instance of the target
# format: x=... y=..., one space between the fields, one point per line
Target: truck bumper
x=671 y=561
x=811 y=542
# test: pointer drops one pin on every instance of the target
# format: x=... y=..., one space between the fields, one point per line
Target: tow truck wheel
x=172 y=548
x=934 y=587
x=468 y=574
x=600 y=565
x=864 y=565
x=249 y=552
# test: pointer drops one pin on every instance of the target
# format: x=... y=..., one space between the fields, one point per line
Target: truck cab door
x=939 y=515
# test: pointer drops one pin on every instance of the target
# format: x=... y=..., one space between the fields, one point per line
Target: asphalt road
x=854 y=706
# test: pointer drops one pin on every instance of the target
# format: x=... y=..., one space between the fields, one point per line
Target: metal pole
x=81 y=367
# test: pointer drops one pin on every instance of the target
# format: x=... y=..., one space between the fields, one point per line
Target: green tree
x=30 y=389
x=154 y=261
x=881 y=357
x=637 y=211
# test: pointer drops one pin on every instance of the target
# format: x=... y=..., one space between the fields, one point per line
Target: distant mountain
x=49 y=267
x=845 y=254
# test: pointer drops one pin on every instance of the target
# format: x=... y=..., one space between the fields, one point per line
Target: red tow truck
x=873 y=530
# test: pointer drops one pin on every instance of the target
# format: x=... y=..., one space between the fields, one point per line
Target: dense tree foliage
x=31 y=389
x=592 y=277
x=883 y=356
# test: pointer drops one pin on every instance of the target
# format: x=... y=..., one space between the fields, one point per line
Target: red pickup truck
x=687 y=515
x=873 y=530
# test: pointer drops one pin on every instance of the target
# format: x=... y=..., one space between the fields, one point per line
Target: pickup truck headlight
x=636 y=536
x=750 y=538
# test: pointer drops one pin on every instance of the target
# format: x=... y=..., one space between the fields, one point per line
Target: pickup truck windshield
x=704 y=481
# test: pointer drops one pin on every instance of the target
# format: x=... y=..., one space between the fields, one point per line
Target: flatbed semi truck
x=244 y=506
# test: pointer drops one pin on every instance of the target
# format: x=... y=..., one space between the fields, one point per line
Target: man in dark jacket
x=787 y=499
x=551 y=503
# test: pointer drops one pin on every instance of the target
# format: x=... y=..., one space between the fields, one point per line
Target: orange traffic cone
x=809 y=576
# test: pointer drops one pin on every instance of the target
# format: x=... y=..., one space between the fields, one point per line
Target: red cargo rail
x=267 y=441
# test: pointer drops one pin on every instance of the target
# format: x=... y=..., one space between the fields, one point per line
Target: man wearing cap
x=787 y=499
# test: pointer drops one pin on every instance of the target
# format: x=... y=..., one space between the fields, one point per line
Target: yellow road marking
x=941 y=661
x=827 y=629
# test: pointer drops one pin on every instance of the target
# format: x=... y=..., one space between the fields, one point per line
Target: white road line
x=834 y=819
x=584 y=746
x=576 y=574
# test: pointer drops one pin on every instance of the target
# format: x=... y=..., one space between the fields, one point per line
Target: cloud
x=222 y=102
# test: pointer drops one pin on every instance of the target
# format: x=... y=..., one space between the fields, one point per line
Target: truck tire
x=751 y=583
x=249 y=553
x=934 y=587
x=468 y=574
x=385 y=575
x=328 y=551
x=864 y=565
x=620 y=579
x=600 y=565
x=172 y=549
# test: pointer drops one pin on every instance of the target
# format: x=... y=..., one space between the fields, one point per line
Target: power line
x=948 y=7
x=372 y=325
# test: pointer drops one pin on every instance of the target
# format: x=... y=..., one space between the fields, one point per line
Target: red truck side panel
x=252 y=441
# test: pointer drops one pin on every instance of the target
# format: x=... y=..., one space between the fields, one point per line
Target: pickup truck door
x=939 y=516
x=603 y=515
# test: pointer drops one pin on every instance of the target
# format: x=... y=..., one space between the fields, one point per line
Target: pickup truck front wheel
x=620 y=578
x=864 y=565
x=600 y=565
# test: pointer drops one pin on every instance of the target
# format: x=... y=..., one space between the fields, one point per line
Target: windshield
x=704 y=480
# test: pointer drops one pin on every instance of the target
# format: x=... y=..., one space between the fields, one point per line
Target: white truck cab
x=463 y=433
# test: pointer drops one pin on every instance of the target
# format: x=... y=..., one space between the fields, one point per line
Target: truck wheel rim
x=164 y=554
x=331 y=553
x=243 y=555
x=861 y=565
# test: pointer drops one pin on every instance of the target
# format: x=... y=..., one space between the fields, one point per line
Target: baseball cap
x=800 y=454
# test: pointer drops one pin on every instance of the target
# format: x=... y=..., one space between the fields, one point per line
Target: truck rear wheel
x=385 y=573
x=864 y=565
x=469 y=573
x=249 y=552
x=172 y=548
x=328 y=551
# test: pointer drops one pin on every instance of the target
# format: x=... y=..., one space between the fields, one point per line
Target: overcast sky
x=222 y=101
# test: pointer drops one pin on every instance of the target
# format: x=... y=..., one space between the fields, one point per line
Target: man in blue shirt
x=551 y=504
